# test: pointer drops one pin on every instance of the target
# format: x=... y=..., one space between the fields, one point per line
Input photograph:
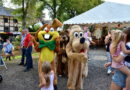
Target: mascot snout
x=82 y=40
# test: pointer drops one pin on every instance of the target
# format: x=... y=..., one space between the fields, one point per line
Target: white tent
x=108 y=12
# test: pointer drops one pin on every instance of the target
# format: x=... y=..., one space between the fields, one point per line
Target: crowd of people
x=118 y=50
x=26 y=48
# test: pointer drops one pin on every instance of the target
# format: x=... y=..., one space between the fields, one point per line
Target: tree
x=1 y=2
x=65 y=9
x=62 y=9
x=76 y=7
x=27 y=10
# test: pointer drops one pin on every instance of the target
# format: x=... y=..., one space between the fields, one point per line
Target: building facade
x=7 y=21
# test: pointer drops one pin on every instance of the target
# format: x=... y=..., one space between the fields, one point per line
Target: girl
x=116 y=47
x=48 y=75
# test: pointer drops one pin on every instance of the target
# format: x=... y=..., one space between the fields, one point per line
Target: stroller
x=2 y=63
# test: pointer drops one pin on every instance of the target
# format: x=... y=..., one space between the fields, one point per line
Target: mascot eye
x=52 y=29
x=81 y=34
x=45 y=29
x=76 y=34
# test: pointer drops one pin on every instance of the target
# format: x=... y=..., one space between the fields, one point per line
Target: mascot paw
x=83 y=57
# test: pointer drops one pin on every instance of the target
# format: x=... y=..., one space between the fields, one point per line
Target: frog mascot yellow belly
x=47 y=42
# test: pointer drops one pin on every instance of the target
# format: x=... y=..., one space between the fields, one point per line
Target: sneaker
x=109 y=72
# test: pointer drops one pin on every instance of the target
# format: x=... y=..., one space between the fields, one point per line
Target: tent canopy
x=108 y=12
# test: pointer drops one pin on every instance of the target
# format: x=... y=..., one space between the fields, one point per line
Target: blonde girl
x=48 y=75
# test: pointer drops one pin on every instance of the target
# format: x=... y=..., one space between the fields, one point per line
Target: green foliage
x=1 y=2
x=34 y=28
x=65 y=9
x=61 y=9
x=16 y=42
x=28 y=12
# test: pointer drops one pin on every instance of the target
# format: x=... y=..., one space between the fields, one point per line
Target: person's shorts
x=119 y=78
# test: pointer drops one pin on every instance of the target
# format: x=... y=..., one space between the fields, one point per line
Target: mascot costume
x=47 y=42
x=77 y=58
x=62 y=59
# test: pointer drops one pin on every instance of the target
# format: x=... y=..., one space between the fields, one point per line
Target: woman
x=119 y=78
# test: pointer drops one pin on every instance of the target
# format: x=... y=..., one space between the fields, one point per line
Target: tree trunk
x=23 y=17
x=24 y=13
x=54 y=9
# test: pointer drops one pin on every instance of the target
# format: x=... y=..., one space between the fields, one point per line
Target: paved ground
x=16 y=79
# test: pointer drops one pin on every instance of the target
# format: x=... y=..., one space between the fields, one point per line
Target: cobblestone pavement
x=16 y=79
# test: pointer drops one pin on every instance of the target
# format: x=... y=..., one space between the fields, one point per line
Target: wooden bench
x=15 y=53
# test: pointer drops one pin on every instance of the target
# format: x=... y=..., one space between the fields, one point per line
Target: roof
x=107 y=12
x=5 y=12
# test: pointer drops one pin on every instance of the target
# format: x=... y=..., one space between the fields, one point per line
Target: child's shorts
x=119 y=78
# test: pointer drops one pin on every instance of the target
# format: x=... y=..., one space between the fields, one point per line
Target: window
x=6 y=29
x=5 y=20
x=15 y=20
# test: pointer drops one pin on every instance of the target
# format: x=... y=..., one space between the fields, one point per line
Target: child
x=48 y=75
x=8 y=49
x=116 y=49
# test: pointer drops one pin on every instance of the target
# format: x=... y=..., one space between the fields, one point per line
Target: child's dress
x=51 y=87
x=116 y=64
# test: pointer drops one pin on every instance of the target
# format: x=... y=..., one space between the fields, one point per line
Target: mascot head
x=77 y=40
x=48 y=32
x=64 y=37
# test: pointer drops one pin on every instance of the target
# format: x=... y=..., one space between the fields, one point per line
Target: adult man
x=23 y=35
x=28 y=45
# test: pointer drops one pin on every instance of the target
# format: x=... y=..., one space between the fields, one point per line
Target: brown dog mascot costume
x=77 y=53
x=62 y=62
x=47 y=42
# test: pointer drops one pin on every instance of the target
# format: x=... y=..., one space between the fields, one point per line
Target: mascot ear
x=41 y=28
x=56 y=23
